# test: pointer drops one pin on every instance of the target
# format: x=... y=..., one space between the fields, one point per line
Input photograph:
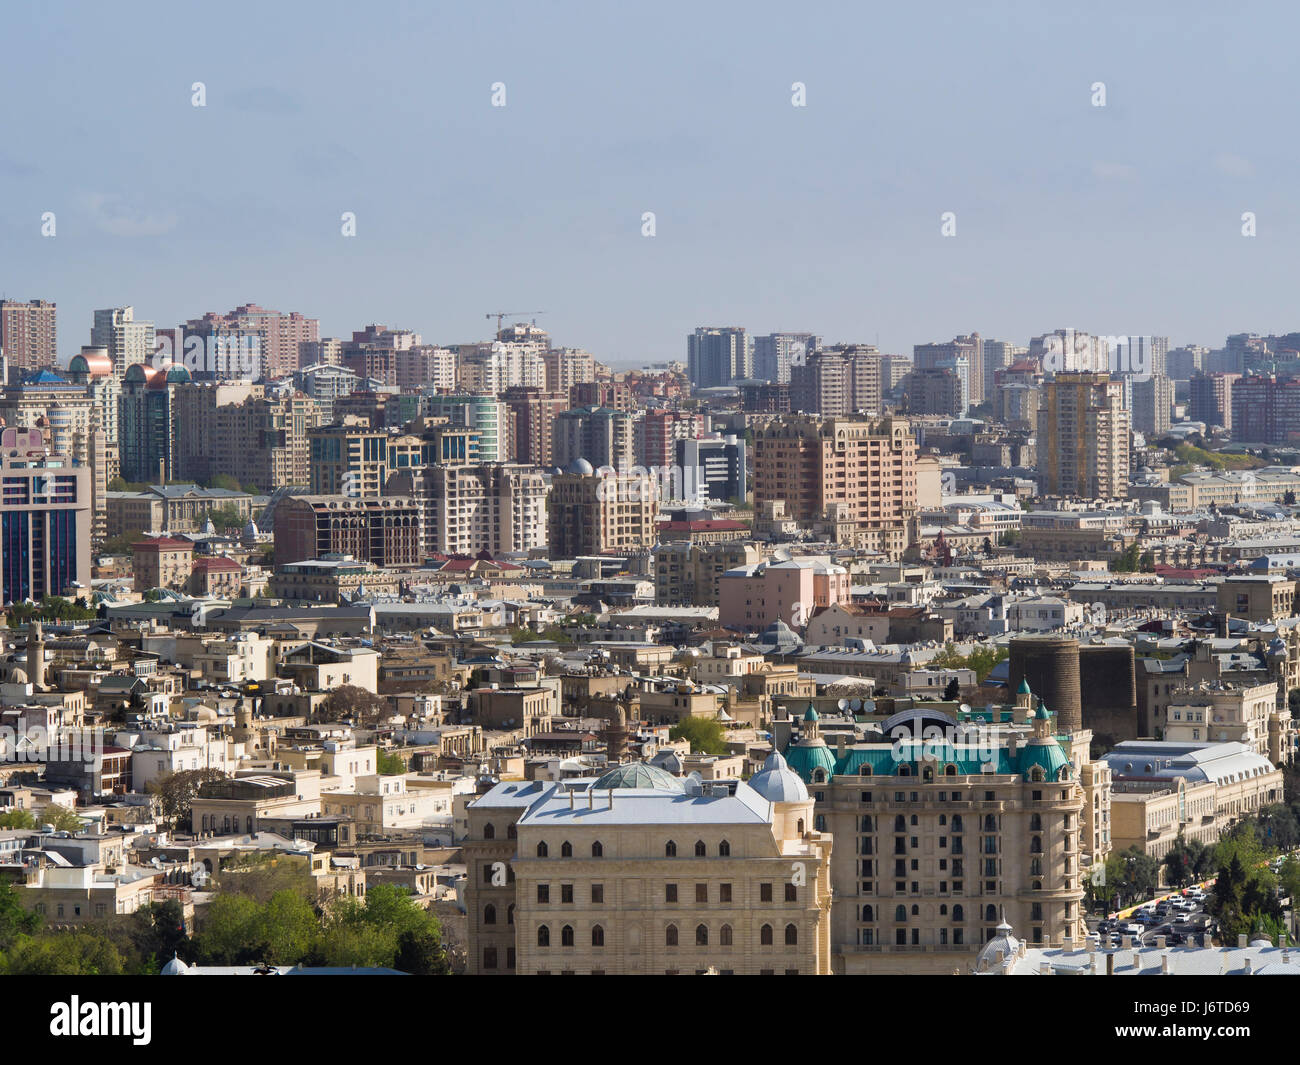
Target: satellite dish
x=964 y=708
x=843 y=704
x=855 y=704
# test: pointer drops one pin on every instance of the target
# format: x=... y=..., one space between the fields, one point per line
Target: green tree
x=177 y=791
x=63 y=819
x=390 y=763
x=85 y=952
x=15 y=919
x=1276 y=827
x=951 y=691
x=705 y=735
x=228 y=929
x=23 y=819
x=356 y=704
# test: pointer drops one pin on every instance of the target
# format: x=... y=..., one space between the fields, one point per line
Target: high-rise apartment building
x=998 y=355
x=1185 y=362
x=354 y=460
x=70 y=416
x=148 y=449
x=842 y=379
x=386 y=532
x=467 y=509
x=1265 y=410
x=496 y=366
x=602 y=436
x=45 y=520
x=659 y=433
x=777 y=353
x=281 y=337
x=718 y=356
x=326 y=384
x=594 y=514
x=1083 y=437
x=486 y=415
x=566 y=367
x=713 y=468
x=127 y=341
x=963 y=355
x=856 y=472
x=533 y=413
x=1210 y=399
x=28 y=335
x=1153 y=402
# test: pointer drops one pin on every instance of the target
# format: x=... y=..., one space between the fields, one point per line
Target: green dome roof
x=1043 y=713
x=807 y=759
x=1046 y=753
x=1024 y=687
x=811 y=714
x=638 y=775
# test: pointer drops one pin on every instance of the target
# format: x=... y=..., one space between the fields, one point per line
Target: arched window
x=928 y=773
x=990 y=912
x=511 y=832
x=1035 y=822
x=765 y=935
x=904 y=770
x=597 y=936
x=950 y=770
x=700 y=849
x=510 y=914
x=819 y=776
x=1036 y=774
x=543 y=851
x=597 y=850
x=916 y=911
x=566 y=849
x=670 y=936
x=701 y=935
x=724 y=849
x=943 y=819
x=956 y=822
x=801 y=826
x=566 y=936
x=489 y=831
x=900 y=823
x=868 y=914
x=958 y=914
x=791 y=935
x=990 y=823
x=900 y=913
x=724 y=935
x=670 y=849
x=1036 y=845
x=489 y=914
x=543 y=936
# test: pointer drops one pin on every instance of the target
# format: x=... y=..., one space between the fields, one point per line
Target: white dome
x=1004 y=942
x=175 y=967
x=777 y=782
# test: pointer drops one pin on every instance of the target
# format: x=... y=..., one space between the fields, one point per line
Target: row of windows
x=670 y=893
x=598 y=849
x=726 y=936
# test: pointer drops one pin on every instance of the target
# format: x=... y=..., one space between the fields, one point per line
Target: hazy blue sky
x=1118 y=220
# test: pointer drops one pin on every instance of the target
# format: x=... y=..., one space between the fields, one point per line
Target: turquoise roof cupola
x=811 y=713
x=1024 y=687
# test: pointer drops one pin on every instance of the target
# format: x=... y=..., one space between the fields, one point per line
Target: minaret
x=36 y=655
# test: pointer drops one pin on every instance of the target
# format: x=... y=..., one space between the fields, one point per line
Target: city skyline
x=1124 y=219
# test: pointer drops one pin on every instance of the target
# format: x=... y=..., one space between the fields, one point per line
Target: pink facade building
x=753 y=597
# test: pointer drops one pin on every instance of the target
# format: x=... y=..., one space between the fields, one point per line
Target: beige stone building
x=858 y=475
x=608 y=877
x=1083 y=437
x=1163 y=789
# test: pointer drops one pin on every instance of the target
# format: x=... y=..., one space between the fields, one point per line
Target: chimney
x=1249 y=966
x=1160 y=942
x=570 y=798
x=1110 y=963
x=1241 y=941
x=1044 y=968
x=1164 y=963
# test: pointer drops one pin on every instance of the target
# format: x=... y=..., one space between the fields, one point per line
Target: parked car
x=1132 y=929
